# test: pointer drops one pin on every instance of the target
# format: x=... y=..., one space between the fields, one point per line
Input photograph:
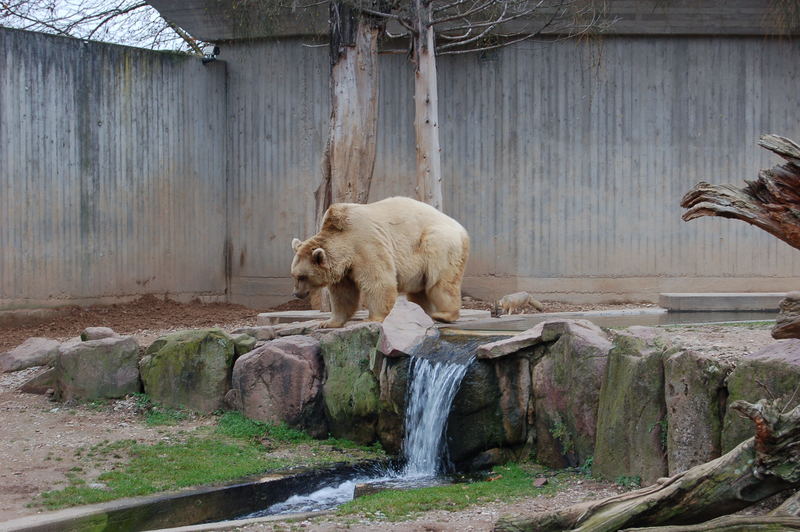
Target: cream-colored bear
x=375 y=251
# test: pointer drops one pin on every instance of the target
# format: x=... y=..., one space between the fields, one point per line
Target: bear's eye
x=302 y=278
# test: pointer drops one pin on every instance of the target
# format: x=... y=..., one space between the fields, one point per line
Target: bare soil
x=39 y=438
x=149 y=313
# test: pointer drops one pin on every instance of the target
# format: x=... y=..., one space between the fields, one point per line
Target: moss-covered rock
x=631 y=440
x=393 y=383
x=351 y=392
x=189 y=369
x=771 y=372
x=104 y=368
x=243 y=343
x=695 y=394
x=566 y=393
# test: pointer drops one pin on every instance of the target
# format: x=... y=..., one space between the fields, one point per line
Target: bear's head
x=309 y=267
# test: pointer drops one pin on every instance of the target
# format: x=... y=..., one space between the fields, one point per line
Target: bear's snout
x=300 y=295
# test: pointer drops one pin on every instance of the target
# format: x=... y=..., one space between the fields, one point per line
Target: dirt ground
x=39 y=438
x=149 y=313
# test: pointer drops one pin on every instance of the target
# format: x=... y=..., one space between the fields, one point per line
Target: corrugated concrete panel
x=566 y=162
x=112 y=172
x=277 y=113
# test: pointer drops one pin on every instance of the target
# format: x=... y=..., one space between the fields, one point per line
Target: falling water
x=433 y=382
x=433 y=386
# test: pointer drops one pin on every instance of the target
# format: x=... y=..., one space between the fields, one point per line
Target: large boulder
x=31 y=352
x=544 y=332
x=189 y=369
x=566 y=394
x=694 y=393
x=475 y=423
x=774 y=371
x=404 y=329
x=280 y=382
x=96 y=369
x=351 y=390
x=392 y=383
x=631 y=437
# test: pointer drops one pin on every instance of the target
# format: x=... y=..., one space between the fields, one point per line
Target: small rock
x=41 y=383
x=32 y=352
x=296 y=328
x=96 y=333
x=96 y=485
x=243 y=343
x=263 y=332
x=539 y=482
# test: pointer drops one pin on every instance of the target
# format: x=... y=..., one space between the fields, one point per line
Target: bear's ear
x=318 y=256
x=296 y=242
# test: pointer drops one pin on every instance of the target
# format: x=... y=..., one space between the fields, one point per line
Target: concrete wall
x=112 y=173
x=125 y=172
x=565 y=162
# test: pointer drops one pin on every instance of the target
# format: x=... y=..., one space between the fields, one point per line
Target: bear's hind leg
x=421 y=299
x=344 y=303
x=446 y=298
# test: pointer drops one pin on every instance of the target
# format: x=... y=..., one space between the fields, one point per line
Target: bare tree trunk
x=772 y=202
x=759 y=467
x=349 y=157
x=426 y=109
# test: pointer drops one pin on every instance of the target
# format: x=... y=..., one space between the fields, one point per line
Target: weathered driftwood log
x=731 y=524
x=789 y=508
x=771 y=202
x=759 y=467
x=787 y=325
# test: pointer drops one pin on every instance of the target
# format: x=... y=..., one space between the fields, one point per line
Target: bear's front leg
x=344 y=303
x=380 y=300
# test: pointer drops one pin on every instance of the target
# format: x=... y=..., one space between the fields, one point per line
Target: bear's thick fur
x=375 y=251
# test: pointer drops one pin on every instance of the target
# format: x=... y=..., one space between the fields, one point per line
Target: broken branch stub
x=771 y=202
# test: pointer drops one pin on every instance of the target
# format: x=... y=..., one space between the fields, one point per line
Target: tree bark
x=789 y=508
x=349 y=157
x=426 y=109
x=759 y=467
x=772 y=202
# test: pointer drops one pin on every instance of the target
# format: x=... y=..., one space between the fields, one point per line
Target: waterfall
x=431 y=391
x=434 y=380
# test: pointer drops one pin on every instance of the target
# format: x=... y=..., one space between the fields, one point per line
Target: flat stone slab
x=742 y=301
x=274 y=318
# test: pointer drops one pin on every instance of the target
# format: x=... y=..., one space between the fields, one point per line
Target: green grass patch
x=235 y=425
x=163 y=466
x=505 y=483
x=157 y=414
x=231 y=450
